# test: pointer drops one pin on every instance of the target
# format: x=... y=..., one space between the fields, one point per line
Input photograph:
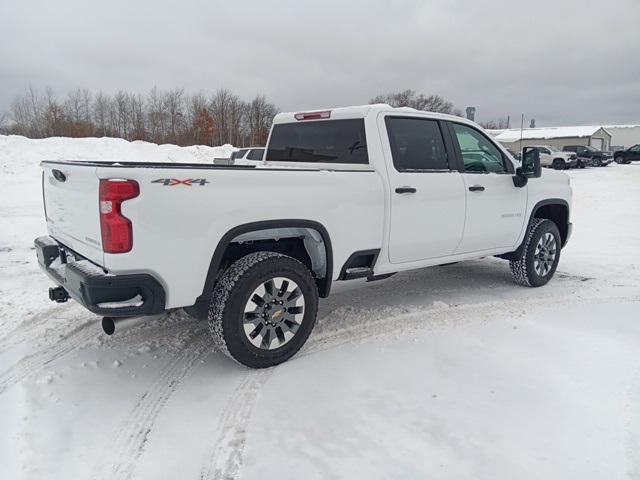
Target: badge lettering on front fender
x=172 y=182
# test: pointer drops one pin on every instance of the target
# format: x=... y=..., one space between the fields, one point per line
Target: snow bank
x=17 y=152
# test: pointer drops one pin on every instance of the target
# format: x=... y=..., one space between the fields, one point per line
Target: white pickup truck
x=356 y=192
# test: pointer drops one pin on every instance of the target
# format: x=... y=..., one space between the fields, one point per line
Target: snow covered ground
x=448 y=372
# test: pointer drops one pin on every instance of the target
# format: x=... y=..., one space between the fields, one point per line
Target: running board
x=357 y=272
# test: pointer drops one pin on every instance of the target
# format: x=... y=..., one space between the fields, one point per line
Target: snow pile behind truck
x=17 y=152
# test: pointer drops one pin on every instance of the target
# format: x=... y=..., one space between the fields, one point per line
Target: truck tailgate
x=72 y=207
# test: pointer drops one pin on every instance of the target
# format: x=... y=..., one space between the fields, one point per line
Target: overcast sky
x=560 y=61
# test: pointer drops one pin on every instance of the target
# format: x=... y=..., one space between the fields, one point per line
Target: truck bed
x=183 y=211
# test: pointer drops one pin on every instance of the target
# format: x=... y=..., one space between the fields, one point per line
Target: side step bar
x=357 y=272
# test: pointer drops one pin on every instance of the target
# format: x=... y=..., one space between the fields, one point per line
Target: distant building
x=595 y=136
x=623 y=136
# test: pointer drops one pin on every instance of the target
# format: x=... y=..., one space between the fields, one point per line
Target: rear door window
x=416 y=144
x=328 y=141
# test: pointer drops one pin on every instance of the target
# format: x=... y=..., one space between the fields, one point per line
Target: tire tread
x=225 y=287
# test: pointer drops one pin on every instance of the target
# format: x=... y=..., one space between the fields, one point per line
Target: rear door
x=495 y=208
x=427 y=192
x=70 y=194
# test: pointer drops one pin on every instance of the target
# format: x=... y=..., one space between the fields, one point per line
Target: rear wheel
x=540 y=255
x=263 y=309
x=620 y=160
x=558 y=164
x=580 y=164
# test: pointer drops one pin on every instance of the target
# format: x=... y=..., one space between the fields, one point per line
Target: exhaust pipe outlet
x=111 y=324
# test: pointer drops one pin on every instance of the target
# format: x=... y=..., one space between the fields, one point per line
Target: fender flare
x=200 y=307
x=548 y=201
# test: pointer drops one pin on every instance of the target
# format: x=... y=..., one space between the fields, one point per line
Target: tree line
x=159 y=116
x=169 y=116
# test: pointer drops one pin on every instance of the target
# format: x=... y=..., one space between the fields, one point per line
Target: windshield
x=332 y=141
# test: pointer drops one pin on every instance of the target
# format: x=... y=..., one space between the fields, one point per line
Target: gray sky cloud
x=561 y=61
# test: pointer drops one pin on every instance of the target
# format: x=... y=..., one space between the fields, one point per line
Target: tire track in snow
x=226 y=456
x=227 y=453
x=131 y=438
x=32 y=363
x=379 y=322
x=20 y=334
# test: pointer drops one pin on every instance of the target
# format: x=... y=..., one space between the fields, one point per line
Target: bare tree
x=100 y=112
x=156 y=115
x=121 y=106
x=409 y=98
x=219 y=107
x=137 y=117
x=201 y=126
x=54 y=115
x=499 y=124
x=259 y=115
x=159 y=116
x=173 y=102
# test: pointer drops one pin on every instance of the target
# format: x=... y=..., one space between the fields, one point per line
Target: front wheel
x=597 y=162
x=263 y=309
x=540 y=255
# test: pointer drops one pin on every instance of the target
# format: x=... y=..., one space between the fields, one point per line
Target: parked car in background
x=631 y=154
x=588 y=155
x=554 y=158
x=248 y=156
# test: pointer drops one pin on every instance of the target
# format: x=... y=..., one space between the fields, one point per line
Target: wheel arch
x=554 y=209
x=222 y=250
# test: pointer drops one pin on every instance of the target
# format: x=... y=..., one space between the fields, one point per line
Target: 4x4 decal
x=172 y=182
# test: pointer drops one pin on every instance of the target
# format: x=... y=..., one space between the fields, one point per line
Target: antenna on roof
x=521 y=129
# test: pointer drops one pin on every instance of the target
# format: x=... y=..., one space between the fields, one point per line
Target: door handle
x=405 y=190
x=476 y=188
x=58 y=175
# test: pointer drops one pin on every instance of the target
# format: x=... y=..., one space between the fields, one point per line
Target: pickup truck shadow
x=471 y=282
x=466 y=282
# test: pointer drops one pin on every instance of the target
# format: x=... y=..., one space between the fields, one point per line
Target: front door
x=427 y=192
x=495 y=208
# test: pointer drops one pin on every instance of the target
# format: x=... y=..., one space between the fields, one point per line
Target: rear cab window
x=324 y=141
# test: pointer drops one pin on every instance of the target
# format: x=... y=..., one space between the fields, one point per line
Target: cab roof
x=357 y=111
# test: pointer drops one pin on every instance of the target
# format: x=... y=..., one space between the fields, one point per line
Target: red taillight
x=313 y=115
x=117 y=234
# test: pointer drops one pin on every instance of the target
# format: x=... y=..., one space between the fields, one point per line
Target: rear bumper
x=101 y=293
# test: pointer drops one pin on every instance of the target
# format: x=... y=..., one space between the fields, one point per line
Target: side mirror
x=530 y=167
x=531 y=163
